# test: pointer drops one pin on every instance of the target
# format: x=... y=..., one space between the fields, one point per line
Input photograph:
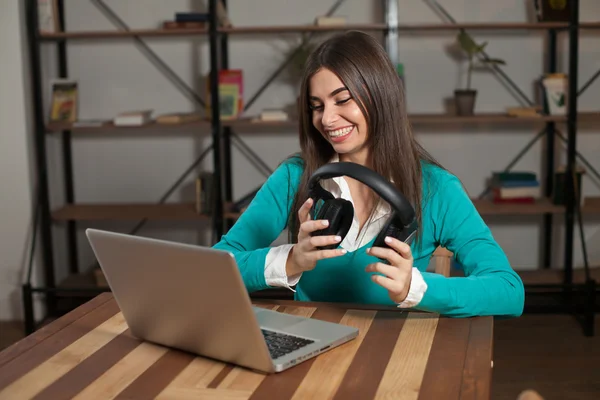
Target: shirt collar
x=338 y=187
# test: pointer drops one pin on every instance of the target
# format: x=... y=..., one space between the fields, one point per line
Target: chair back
x=442 y=259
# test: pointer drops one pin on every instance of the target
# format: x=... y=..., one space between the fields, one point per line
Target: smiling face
x=337 y=116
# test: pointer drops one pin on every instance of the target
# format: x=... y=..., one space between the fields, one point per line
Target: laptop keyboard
x=280 y=344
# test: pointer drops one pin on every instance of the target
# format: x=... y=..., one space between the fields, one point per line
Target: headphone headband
x=402 y=207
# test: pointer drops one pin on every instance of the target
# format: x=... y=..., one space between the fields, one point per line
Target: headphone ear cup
x=339 y=213
x=394 y=228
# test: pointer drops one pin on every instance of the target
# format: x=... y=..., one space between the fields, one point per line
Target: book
x=204 y=192
x=133 y=118
x=64 y=95
x=231 y=94
x=177 y=118
x=270 y=114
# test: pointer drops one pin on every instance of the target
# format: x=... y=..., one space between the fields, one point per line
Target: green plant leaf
x=496 y=61
x=467 y=43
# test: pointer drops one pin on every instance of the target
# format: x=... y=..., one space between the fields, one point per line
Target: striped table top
x=90 y=354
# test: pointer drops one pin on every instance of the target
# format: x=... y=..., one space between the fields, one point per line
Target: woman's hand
x=304 y=255
x=397 y=275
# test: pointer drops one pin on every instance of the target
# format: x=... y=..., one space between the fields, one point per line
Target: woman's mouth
x=341 y=134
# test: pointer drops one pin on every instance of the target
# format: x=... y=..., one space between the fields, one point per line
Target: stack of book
x=515 y=187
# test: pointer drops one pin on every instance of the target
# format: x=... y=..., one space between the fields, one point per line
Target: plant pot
x=465 y=101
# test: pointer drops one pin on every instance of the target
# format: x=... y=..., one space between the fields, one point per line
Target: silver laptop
x=193 y=298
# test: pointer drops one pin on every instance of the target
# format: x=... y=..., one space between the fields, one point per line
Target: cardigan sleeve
x=250 y=238
x=490 y=285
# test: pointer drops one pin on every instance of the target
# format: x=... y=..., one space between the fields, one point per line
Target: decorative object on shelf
x=465 y=98
x=64 y=101
x=204 y=192
x=273 y=114
x=330 y=21
x=534 y=111
x=552 y=10
x=178 y=118
x=555 y=93
x=133 y=118
x=296 y=55
x=515 y=187
x=400 y=71
x=174 y=25
x=47 y=11
x=560 y=185
x=231 y=94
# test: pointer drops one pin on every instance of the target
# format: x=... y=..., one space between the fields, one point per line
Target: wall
x=115 y=75
x=16 y=168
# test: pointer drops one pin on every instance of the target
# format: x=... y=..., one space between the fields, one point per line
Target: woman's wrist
x=291 y=268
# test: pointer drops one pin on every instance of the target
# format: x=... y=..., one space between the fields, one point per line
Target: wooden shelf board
x=591 y=205
x=301 y=28
x=109 y=126
x=250 y=122
x=480 y=118
x=541 y=206
x=555 y=276
x=186 y=211
x=108 y=34
x=131 y=211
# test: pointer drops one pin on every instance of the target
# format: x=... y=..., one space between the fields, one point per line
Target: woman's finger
x=387 y=254
x=304 y=211
x=318 y=241
x=322 y=254
x=390 y=284
x=314 y=225
x=389 y=271
x=402 y=248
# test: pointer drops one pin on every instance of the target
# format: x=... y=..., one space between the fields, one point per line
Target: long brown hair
x=363 y=65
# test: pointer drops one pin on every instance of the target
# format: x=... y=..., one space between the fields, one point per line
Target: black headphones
x=401 y=225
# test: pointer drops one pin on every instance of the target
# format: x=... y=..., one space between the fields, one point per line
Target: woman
x=352 y=109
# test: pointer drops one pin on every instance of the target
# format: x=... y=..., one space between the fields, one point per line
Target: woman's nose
x=329 y=117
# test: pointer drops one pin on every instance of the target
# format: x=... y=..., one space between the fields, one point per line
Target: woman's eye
x=343 y=101
x=315 y=107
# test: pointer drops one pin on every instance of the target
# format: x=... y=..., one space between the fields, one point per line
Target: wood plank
x=54 y=344
x=286 y=384
x=444 y=371
x=47 y=331
x=153 y=381
x=404 y=374
x=90 y=369
x=38 y=378
x=371 y=359
x=124 y=372
x=335 y=362
x=477 y=372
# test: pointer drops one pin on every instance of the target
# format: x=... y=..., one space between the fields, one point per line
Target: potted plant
x=465 y=98
x=295 y=56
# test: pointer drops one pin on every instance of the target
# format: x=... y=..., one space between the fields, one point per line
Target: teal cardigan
x=449 y=219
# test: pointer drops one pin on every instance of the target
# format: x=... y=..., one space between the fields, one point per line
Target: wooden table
x=89 y=353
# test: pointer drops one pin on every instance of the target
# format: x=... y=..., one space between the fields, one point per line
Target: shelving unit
x=222 y=131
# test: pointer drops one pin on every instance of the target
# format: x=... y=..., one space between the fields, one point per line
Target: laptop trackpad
x=275 y=320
